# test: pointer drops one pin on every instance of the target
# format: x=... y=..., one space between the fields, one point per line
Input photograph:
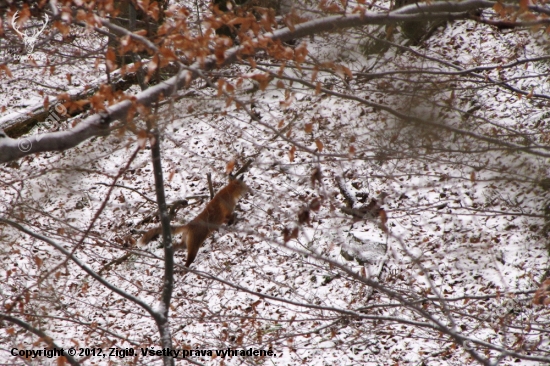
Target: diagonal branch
x=39 y=333
x=84 y=267
x=409 y=118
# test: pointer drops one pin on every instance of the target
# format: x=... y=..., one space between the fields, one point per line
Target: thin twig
x=210 y=187
x=129 y=188
x=244 y=168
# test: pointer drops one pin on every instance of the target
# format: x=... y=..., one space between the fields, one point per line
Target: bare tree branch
x=405 y=117
x=84 y=267
x=168 y=283
x=39 y=333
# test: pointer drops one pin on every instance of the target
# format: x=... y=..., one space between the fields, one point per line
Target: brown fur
x=217 y=212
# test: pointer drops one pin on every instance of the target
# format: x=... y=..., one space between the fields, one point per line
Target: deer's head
x=28 y=40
